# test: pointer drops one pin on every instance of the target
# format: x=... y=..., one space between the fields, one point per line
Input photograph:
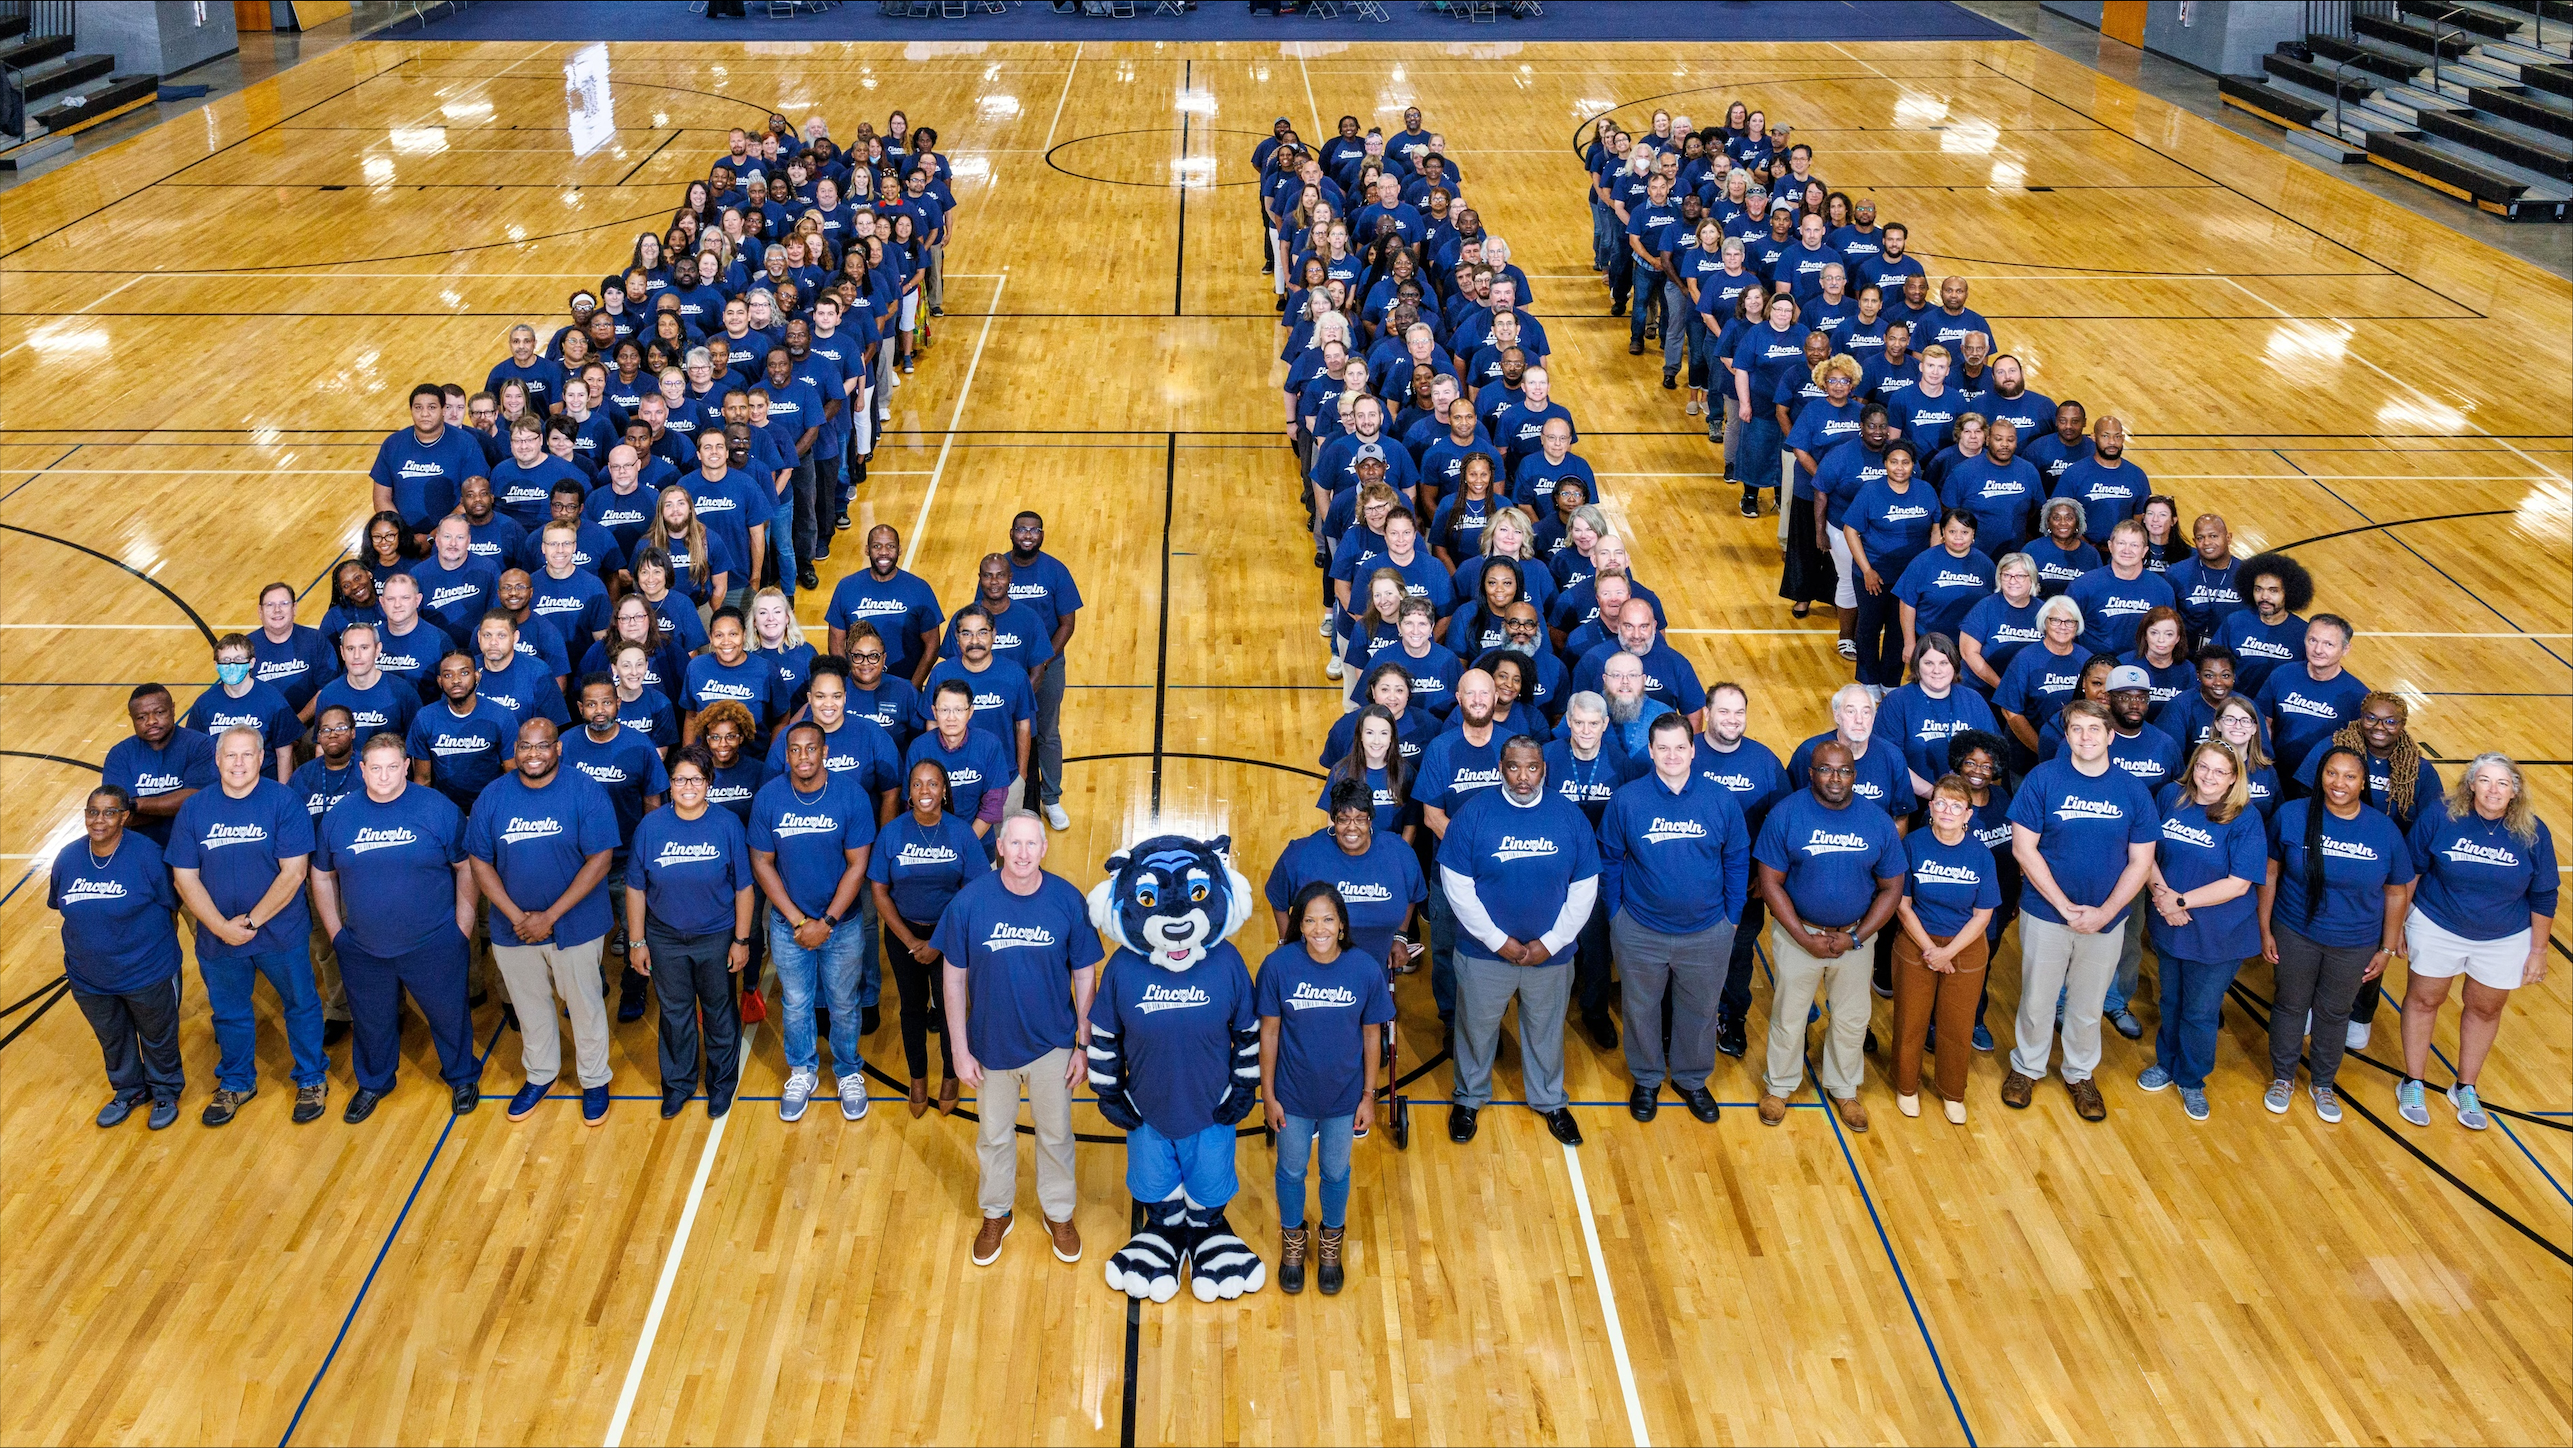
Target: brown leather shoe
x=2017 y=1091
x=919 y=1102
x=1291 y=1244
x=2086 y=1100
x=1773 y=1109
x=947 y=1096
x=1067 y=1239
x=1852 y=1115
x=987 y=1242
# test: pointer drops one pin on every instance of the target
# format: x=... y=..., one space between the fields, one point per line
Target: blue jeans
x=2130 y=963
x=781 y=537
x=1159 y=1168
x=836 y=965
x=1648 y=299
x=2193 y=999
x=1295 y=1142
x=1676 y=315
x=1604 y=235
x=229 y=982
x=1757 y=465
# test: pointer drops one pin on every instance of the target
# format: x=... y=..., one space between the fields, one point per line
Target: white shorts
x=1846 y=594
x=2437 y=953
x=910 y=309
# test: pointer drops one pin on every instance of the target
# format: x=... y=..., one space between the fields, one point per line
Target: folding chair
x=1373 y=10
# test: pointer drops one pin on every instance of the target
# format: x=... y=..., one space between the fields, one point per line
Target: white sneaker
x=1325 y=630
x=2358 y=1036
x=1057 y=816
x=853 y=1096
x=798 y=1095
x=1334 y=668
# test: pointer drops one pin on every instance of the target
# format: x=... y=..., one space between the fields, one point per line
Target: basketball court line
x=1067 y=93
x=2501 y=1121
x=920 y=524
x=1607 y=1300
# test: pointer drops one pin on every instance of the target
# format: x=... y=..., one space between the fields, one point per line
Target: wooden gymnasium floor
x=208 y=328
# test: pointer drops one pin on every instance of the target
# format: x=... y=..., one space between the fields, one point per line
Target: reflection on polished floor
x=204 y=332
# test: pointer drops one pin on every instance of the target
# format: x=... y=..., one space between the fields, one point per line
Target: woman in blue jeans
x=1323 y=1009
x=2207 y=872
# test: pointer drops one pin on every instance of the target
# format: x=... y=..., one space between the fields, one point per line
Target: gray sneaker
x=799 y=1094
x=2470 y=1111
x=2193 y=1099
x=2280 y=1093
x=2327 y=1105
x=2153 y=1078
x=2411 y=1102
x=853 y=1096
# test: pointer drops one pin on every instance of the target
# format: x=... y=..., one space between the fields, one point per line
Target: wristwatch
x=832 y=921
x=742 y=940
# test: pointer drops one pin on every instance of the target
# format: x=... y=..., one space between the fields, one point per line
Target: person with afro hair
x=2272 y=630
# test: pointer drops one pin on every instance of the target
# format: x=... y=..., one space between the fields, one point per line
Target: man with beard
x=1581 y=768
x=1630 y=713
x=1547 y=683
x=2013 y=402
x=1669 y=679
x=903 y=609
x=1520 y=869
x=1004 y=706
x=1460 y=762
x=2109 y=488
x=1039 y=580
x=1727 y=755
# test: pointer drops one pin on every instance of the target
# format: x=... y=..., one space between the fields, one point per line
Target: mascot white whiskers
x=1175 y=1058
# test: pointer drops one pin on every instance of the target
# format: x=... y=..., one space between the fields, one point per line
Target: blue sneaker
x=2193 y=1099
x=2412 y=1103
x=2153 y=1078
x=1982 y=1037
x=524 y=1101
x=166 y=1111
x=797 y=1095
x=594 y=1105
x=119 y=1108
x=2470 y=1111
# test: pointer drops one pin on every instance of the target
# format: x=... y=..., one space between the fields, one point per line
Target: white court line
x=2349 y=477
x=920 y=524
x=1820 y=633
x=1307 y=73
x=670 y=1265
x=214 y=472
x=99 y=301
x=1607 y=1302
x=1067 y=94
x=2374 y=633
x=1657 y=475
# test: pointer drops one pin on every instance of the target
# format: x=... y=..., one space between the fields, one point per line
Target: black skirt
x=1807 y=575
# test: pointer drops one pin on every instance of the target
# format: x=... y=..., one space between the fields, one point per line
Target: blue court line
x=1909 y=1300
x=39 y=474
x=2501 y=1121
x=380 y=1254
x=22 y=882
x=2417 y=553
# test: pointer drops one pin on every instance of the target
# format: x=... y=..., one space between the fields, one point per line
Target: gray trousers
x=2054 y=962
x=1484 y=988
x=1047 y=746
x=1049 y=1099
x=536 y=974
x=2325 y=979
x=1691 y=969
x=1843 y=984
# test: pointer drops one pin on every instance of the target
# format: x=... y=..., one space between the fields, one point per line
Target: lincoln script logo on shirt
x=2347 y=850
x=1171 y=998
x=1828 y=842
x=2291 y=702
x=1513 y=847
x=2467 y=852
x=222 y=835
x=520 y=831
x=1006 y=936
x=369 y=839
x=1942 y=873
x=679 y=852
x=913 y=857
x=1663 y=831
x=2188 y=834
x=791 y=824
x=82 y=892
x=1308 y=995
x=2074 y=807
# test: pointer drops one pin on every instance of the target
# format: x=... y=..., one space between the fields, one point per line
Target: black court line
x=60 y=989
x=1134 y=1345
x=646 y=161
x=30 y=999
x=38 y=475
x=158 y=586
x=191 y=271
x=54 y=759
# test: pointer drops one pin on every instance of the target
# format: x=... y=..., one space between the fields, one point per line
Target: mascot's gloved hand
x=1108 y=1079
x=1243 y=1095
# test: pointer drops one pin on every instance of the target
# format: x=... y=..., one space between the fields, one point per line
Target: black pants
x=1880 y=633
x=1736 y=1001
x=691 y=979
x=1592 y=984
x=138 y=1033
x=924 y=1002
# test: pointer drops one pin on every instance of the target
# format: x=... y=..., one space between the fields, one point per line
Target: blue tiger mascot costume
x=1175 y=1059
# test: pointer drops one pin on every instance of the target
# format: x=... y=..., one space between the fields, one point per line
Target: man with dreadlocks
x=2399 y=782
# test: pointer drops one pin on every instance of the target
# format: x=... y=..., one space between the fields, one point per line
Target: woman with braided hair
x=2400 y=781
x=2331 y=917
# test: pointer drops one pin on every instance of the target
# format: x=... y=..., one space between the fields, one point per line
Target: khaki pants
x=1049 y=1100
x=326 y=975
x=536 y=974
x=1843 y=984
x=2056 y=963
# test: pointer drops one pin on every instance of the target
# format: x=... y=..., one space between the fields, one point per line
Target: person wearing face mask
x=238 y=700
x=2212 y=858
x=2116 y=596
x=1830 y=871
x=1520 y=869
x=2331 y=920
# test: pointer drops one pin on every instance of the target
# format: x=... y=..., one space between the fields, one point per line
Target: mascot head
x=1170 y=898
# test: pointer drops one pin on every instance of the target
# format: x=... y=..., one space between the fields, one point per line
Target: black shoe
x=869 y=1019
x=1652 y=331
x=1602 y=1028
x=629 y=1007
x=1617 y=309
x=821 y=553
x=838 y=524
x=1641 y=1103
x=1670 y=382
x=1565 y=1129
x=475 y=1001
x=1460 y=1124
x=805 y=577
x=333 y=1032
x=1731 y=1037
x=673 y=1102
x=464 y=1097
x=1750 y=502
x=1701 y=1103
x=1268 y=268
x=1634 y=349
x=360 y=1106
x=1870 y=1047
x=715 y=1109
x=509 y=1018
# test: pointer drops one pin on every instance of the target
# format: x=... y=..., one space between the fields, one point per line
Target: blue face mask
x=232 y=675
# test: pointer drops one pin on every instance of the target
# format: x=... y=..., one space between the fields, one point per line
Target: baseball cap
x=2128 y=676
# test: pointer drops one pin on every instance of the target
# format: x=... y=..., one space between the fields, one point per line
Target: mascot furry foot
x=1219 y=1263
x=1149 y=1264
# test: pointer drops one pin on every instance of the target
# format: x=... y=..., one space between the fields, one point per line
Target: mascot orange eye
x=1197 y=893
x=1144 y=896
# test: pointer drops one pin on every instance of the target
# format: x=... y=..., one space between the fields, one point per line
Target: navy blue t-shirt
x=296 y=668
x=2303 y=714
x=1522 y=860
x=1019 y=953
x=1831 y=858
x=690 y=870
x=1322 y=1012
x=1881 y=777
x=259 y=707
x=2361 y=857
x=1942 y=588
x=810 y=833
x=237 y=847
x=902 y=608
x=1177 y=1029
x=117 y=937
x=464 y=753
x=427 y=479
x=923 y=868
x=1948 y=883
x=395 y=866
x=2084 y=824
x=537 y=840
x=2196 y=852
x=2478 y=880
x=1380 y=887
x=184 y=761
x=627 y=767
x=1677 y=863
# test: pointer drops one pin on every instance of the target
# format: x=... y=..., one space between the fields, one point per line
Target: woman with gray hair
x=2482 y=906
